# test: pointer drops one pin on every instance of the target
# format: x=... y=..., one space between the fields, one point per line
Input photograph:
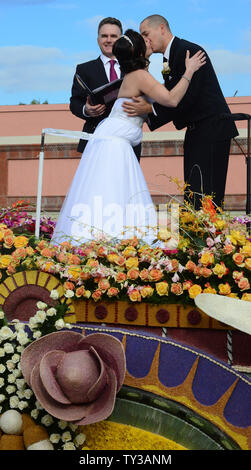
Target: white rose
x=69 y=446
x=54 y=438
x=32 y=323
x=1 y=382
x=51 y=311
x=10 y=365
x=28 y=393
x=66 y=436
x=15 y=358
x=62 y=424
x=80 y=439
x=1 y=315
x=59 y=324
x=22 y=405
x=19 y=326
x=41 y=305
x=11 y=378
x=54 y=294
x=10 y=389
x=40 y=316
x=8 y=348
x=69 y=293
x=6 y=332
x=2 y=368
x=22 y=337
x=34 y=414
x=20 y=383
x=2 y=352
x=37 y=334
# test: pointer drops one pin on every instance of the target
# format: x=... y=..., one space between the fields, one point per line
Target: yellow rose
x=207 y=258
x=74 y=271
x=246 y=296
x=248 y=263
x=112 y=257
x=21 y=241
x=147 y=291
x=237 y=238
x=220 y=269
x=164 y=234
x=5 y=260
x=209 y=290
x=194 y=291
x=129 y=251
x=224 y=289
x=132 y=262
x=162 y=288
x=246 y=250
x=135 y=296
x=220 y=224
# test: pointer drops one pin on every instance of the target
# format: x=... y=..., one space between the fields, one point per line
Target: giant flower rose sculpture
x=75 y=378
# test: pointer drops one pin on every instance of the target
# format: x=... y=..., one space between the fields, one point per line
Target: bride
x=108 y=196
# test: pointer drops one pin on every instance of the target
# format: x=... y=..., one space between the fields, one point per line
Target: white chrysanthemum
x=80 y=439
x=62 y=424
x=2 y=397
x=41 y=305
x=47 y=420
x=66 y=436
x=14 y=400
x=51 y=311
x=69 y=446
x=54 y=294
x=54 y=438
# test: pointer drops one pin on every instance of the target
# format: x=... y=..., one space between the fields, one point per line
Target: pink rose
x=75 y=378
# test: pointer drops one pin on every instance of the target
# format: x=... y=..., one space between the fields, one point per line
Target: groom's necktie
x=113 y=74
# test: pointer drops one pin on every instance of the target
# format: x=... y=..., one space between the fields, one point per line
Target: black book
x=104 y=94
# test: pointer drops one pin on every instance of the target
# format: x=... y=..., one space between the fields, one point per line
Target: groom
x=208 y=134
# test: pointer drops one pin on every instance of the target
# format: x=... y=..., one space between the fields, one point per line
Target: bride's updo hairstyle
x=130 y=50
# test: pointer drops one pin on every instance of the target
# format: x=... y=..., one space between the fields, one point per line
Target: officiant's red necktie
x=113 y=74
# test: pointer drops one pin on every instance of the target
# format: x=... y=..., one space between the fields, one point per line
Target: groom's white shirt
x=167 y=51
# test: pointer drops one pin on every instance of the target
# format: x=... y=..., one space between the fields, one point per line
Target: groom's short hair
x=156 y=20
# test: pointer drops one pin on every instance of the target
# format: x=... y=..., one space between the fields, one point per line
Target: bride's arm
x=155 y=90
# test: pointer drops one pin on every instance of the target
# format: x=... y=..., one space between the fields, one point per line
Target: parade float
x=186 y=381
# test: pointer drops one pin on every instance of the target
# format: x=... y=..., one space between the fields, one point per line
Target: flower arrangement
x=213 y=255
x=15 y=393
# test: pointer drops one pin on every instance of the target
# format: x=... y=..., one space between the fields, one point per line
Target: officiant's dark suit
x=208 y=135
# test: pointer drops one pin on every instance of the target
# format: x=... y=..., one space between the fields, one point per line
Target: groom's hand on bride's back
x=138 y=107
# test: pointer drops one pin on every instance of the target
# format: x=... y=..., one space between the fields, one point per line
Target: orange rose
x=29 y=251
x=9 y=241
x=190 y=266
x=69 y=285
x=133 y=274
x=97 y=294
x=144 y=274
x=103 y=284
x=73 y=259
x=187 y=285
x=19 y=253
x=248 y=263
x=121 y=277
x=62 y=257
x=206 y=272
x=101 y=251
x=84 y=276
x=92 y=263
x=112 y=292
x=155 y=274
x=21 y=241
x=238 y=259
x=135 y=296
x=176 y=288
x=80 y=291
x=224 y=289
x=237 y=275
x=194 y=291
x=243 y=284
x=228 y=249
x=47 y=253
x=175 y=265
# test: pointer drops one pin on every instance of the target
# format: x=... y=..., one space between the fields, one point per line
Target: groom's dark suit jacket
x=204 y=99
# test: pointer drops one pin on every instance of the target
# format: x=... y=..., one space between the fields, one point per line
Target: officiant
x=96 y=73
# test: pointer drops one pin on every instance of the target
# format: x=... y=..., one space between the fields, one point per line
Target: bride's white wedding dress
x=109 y=195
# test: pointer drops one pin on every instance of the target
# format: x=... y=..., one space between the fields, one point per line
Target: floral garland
x=213 y=256
x=15 y=394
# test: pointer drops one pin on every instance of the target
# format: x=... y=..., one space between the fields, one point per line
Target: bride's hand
x=195 y=62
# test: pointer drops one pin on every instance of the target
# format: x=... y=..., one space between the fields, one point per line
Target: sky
x=42 y=41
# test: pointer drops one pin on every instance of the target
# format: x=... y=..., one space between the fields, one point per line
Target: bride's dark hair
x=130 y=52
